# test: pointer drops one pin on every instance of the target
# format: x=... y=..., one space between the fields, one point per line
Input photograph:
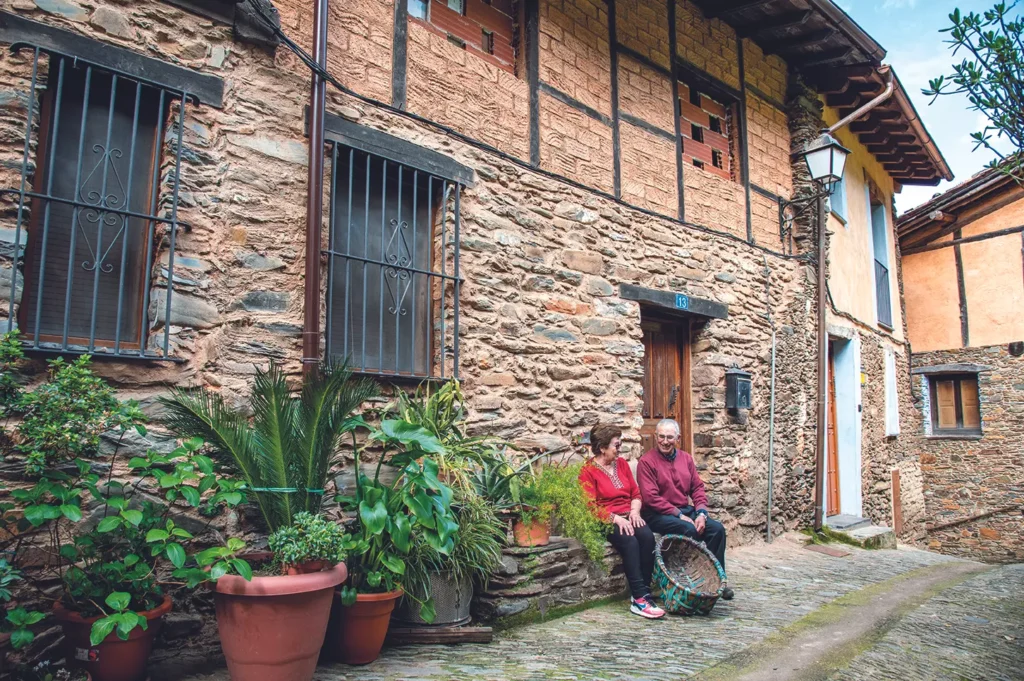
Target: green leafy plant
x=557 y=488
x=10 y=355
x=45 y=670
x=310 y=538
x=502 y=480
x=991 y=76
x=17 y=621
x=286 y=452
x=393 y=518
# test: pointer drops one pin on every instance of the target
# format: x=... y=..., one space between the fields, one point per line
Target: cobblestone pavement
x=973 y=631
x=776 y=585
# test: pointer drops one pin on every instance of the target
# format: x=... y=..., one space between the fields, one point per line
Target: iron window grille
x=94 y=206
x=393 y=267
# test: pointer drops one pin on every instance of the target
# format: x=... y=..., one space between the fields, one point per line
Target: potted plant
x=447 y=580
x=273 y=626
x=109 y=563
x=393 y=518
x=557 y=487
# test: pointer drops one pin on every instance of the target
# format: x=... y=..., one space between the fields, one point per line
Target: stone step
x=845 y=523
x=871 y=536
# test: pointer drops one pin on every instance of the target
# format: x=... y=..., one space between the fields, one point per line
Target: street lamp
x=826 y=160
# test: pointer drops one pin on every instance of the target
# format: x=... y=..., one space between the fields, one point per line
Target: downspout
x=315 y=194
x=819 y=465
x=771 y=398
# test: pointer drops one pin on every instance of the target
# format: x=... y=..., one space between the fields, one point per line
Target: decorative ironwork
x=883 y=295
x=398 y=279
x=71 y=209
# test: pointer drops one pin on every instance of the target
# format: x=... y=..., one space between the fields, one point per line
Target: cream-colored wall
x=851 y=252
x=933 y=301
x=994 y=279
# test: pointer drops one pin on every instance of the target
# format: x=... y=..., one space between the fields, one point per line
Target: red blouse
x=607 y=497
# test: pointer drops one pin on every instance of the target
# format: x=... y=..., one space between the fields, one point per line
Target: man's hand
x=699 y=523
x=624 y=526
x=686 y=518
x=635 y=520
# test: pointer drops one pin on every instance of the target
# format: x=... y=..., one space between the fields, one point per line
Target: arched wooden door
x=666 y=377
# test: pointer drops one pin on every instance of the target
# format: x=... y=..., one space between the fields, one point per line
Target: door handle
x=672 y=397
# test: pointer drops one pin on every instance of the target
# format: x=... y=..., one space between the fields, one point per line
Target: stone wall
x=972 y=477
x=541 y=580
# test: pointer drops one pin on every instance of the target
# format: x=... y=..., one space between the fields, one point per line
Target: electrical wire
x=455 y=134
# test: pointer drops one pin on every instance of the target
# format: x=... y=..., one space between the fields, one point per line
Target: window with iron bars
x=393 y=267
x=96 y=208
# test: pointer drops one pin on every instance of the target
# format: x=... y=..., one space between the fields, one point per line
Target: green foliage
x=393 y=519
x=10 y=355
x=309 y=538
x=46 y=671
x=558 y=488
x=502 y=480
x=63 y=418
x=991 y=75
x=286 y=452
x=17 y=621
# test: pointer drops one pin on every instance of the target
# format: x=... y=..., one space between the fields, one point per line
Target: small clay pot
x=305 y=568
x=113 y=659
x=357 y=631
x=536 y=533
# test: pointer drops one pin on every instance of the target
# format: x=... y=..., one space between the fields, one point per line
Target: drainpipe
x=819 y=465
x=314 y=194
x=771 y=398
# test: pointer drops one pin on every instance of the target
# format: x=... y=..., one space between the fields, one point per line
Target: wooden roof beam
x=723 y=9
x=825 y=57
x=775 y=23
x=791 y=43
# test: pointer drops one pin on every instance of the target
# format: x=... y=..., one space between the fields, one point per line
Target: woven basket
x=687 y=576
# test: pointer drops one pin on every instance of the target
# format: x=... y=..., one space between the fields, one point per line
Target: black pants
x=713 y=536
x=637 y=551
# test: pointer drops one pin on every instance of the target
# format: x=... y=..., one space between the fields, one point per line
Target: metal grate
x=393 y=267
x=93 y=208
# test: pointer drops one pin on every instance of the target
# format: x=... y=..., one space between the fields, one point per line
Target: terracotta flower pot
x=535 y=534
x=113 y=659
x=358 y=630
x=272 y=628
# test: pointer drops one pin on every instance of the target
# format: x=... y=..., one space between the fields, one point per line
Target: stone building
x=585 y=210
x=964 y=293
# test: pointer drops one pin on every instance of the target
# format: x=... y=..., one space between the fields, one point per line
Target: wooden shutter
x=969 y=401
x=945 y=396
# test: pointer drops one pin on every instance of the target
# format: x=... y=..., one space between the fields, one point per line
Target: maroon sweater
x=666 y=486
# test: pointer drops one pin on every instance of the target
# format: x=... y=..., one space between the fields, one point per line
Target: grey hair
x=669 y=422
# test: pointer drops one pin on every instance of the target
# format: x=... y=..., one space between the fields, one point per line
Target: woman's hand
x=624 y=526
x=635 y=520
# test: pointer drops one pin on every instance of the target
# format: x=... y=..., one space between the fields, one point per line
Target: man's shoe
x=727 y=594
x=644 y=608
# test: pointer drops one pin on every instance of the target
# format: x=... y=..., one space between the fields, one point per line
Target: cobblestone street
x=971 y=630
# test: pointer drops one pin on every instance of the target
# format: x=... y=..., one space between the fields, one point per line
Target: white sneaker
x=645 y=608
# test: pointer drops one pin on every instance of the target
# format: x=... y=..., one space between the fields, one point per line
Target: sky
x=909 y=31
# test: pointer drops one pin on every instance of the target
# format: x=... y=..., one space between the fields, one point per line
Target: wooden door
x=832 y=479
x=666 y=378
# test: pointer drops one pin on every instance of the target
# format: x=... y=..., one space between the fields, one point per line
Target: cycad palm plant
x=285 y=453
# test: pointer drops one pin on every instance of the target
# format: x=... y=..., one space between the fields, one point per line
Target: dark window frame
x=959 y=429
x=179 y=88
x=453 y=177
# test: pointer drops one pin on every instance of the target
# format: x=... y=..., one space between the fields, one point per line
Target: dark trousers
x=713 y=536
x=637 y=551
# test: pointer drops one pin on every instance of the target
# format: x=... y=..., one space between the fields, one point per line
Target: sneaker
x=727 y=594
x=644 y=608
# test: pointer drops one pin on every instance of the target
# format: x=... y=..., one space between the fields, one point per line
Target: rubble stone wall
x=974 y=488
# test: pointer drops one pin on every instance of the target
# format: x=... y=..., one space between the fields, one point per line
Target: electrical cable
x=451 y=132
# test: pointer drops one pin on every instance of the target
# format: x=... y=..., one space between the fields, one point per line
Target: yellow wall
x=851 y=253
x=994 y=279
x=933 y=301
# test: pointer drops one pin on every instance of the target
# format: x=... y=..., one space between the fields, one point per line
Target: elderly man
x=673 y=494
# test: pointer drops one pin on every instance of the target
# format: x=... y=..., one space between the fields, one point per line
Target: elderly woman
x=609 y=482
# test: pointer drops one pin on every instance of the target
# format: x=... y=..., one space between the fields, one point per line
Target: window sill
x=954 y=436
x=885 y=326
x=839 y=217
x=98 y=353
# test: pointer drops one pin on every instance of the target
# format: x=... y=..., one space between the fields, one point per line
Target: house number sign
x=682 y=301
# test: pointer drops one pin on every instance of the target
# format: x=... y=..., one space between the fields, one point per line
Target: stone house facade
x=964 y=291
x=600 y=197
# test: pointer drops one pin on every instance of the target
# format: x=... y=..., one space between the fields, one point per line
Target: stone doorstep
x=845 y=523
x=873 y=537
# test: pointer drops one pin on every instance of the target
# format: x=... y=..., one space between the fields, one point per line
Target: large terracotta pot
x=535 y=534
x=272 y=628
x=113 y=659
x=358 y=630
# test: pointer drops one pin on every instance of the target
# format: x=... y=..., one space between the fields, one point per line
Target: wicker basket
x=687 y=576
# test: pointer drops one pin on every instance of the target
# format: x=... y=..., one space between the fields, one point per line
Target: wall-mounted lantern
x=737 y=389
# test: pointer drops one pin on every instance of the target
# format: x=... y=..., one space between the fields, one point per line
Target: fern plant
x=285 y=454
